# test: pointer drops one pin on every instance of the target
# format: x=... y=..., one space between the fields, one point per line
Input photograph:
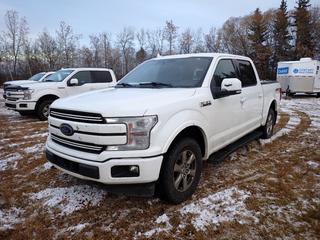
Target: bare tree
x=67 y=42
x=171 y=34
x=48 y=49
x=105 y=39
x=186 y=41
x=198 y=41
x=141 y=37
x=212 y=40
x=126 y=44
x=17 y=29
x=96 y=45
x=155 y=41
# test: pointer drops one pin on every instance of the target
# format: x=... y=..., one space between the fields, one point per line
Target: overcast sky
x=94 y=16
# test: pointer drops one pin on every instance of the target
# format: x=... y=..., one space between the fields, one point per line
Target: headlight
x=138 y=132
x=27 y=94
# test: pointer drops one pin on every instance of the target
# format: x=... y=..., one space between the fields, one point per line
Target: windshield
x=37 y=77
x=59 y=76
x=177 y=72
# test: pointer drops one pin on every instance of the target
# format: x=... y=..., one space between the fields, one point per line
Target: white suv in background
x=37 y=97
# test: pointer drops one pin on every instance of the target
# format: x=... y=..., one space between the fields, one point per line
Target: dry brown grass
x=273 y=176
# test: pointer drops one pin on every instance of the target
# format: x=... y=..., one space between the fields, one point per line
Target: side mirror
x=230 y=86
x=74 y=82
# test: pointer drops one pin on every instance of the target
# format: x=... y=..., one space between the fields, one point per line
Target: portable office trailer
x=299 y=76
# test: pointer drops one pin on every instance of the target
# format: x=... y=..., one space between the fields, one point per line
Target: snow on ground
x=42 y=168
x=69 y=199
x=313 y=164
x=224 y=206
x=8 y=218
x=10 y=161
x=37 y=148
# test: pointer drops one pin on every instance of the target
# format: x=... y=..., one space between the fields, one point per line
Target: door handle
x=260 y=95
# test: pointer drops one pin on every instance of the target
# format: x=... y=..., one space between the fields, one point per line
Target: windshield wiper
x=155 y=84
x=124 y=85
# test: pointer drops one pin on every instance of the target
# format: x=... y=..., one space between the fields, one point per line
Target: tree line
x=267 y=37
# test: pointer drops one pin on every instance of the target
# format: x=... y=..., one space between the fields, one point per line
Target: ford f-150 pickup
x=37 y=97
x=155 y=128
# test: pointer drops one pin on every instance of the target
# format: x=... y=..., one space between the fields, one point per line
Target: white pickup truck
x=161 y=121
x=39 y=77
x=37 y=97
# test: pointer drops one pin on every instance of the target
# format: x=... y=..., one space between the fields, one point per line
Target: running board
x=220 y=155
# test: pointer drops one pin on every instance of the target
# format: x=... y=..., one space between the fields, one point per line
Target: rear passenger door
x=251 y=97
x=101 y=79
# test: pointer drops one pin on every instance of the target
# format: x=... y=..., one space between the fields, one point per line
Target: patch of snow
x=313 y=164
x=224 y=206
x=10 y=161
x=77 y=228
x=42 y=168
x=36 y=148
x=163 y=219
x=8 y=218
x=70 y=199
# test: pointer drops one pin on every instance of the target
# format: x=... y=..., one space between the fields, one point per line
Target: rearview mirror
x=74 y=82
x=230 y=86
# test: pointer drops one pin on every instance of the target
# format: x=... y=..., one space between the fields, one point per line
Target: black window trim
x=236 y=61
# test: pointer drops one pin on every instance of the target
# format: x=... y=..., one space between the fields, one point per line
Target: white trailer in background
x=299 y=76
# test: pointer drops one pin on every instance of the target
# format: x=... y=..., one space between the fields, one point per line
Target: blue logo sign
x=66 y=129
x=283 y=70
x=296 y=70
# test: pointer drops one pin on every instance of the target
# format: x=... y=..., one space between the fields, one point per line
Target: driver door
x=85 y=83
x=225 y=114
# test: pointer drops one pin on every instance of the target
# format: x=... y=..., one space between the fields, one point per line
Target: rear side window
x=101 y=76
x=83 y=77
x=224 y=69
x=246 y=73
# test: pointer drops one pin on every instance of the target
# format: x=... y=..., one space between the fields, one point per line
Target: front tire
x=43 y=110
x=267 y=129
x=181 y=171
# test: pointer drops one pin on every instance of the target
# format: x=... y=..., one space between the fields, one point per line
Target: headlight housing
x=138 y=132
x=27 y=94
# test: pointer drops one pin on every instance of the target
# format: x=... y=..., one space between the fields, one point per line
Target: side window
x=101 y=76
x=83 y=77
x=246 y=73
x=224 y=69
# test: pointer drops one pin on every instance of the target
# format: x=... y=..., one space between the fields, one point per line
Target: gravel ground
x=269 y=189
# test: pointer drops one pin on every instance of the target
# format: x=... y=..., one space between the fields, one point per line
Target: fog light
x=125 y=171
x=134 y=169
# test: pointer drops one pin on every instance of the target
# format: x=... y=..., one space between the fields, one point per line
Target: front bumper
x=20 y=105
x=149 y=168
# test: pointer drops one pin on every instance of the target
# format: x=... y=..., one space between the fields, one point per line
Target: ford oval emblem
x=66 y=129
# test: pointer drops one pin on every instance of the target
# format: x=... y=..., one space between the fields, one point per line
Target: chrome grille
x=77 y=116
x=81 y=146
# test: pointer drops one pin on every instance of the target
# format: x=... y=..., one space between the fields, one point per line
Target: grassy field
x=267 y=190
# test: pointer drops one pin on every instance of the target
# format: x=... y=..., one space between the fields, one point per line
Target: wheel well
x=195 y=133
x=46 y=97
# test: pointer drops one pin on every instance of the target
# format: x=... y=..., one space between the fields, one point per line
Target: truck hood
x=17 y=82
x=120 y=102
x=41 y=85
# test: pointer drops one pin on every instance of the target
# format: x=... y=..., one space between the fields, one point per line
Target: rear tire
x=43 y=110
x=180 y=171
x=267 y=129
